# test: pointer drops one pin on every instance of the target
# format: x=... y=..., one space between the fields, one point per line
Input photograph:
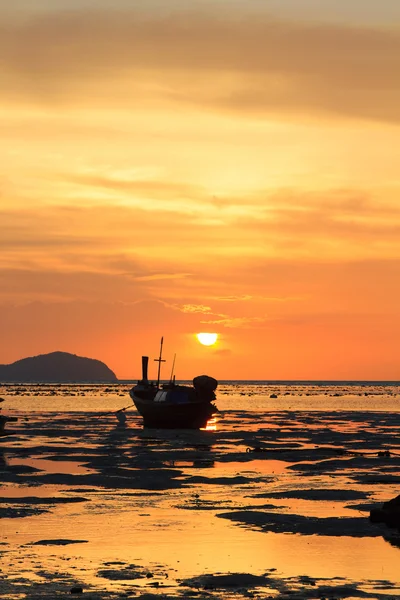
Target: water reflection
x=196 y=463
x=212 y=424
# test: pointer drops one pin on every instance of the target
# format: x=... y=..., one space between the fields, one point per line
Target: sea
x=231 y=395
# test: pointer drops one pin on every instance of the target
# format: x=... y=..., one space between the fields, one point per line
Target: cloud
x=195 y=308
x=162 y=276
x=326 y=223
x=254 y=64
x=155 y=188
x=238 y=322
x=167 y=244
x=241 y=298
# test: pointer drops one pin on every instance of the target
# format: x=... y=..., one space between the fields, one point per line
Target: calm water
x=250 y=396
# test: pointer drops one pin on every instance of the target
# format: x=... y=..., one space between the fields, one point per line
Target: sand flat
x=268 y=502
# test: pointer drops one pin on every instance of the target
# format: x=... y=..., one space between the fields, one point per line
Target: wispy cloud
x=154 y=188
x=195 y=308
x=252 y=65
x=111 y=238
x=242 y=298
x=238 y=322
x=161 y=276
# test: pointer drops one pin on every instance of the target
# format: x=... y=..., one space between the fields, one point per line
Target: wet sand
x=263 y=504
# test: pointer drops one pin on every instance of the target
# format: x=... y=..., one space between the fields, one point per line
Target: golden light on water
x=211 y=424
x=207 y=339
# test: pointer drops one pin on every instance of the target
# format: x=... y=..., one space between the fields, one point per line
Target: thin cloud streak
x=274 y=220
x=250 y=65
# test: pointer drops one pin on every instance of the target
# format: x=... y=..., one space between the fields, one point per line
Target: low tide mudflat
x=271 y=501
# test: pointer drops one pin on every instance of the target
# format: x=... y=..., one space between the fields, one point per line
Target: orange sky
x=232 y=167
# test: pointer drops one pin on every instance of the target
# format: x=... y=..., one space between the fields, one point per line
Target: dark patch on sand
x=58 y=542
x=315 y=494
x=38 y=500
x=238 y=480
x=364 y=507
x=214 y=505
x=130 y=572
x=124 y=574
x=376 y=478
x=109 y=478
x=21 y=470
x=291 y=523
x=15 y=513
x=231 y=580
x=296 y=588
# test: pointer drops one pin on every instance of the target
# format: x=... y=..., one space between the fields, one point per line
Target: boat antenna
x=172 y=370
x=159 y=360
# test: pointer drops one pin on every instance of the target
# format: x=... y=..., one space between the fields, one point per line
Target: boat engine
x=205 y=386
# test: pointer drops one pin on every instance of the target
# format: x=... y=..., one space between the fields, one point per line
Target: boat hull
x=172 y=415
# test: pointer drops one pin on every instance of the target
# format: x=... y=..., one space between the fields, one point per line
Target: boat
x=171 y=405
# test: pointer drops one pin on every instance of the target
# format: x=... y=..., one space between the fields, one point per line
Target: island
x=57 y=367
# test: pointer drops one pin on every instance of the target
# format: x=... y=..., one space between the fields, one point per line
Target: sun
x=207 y=339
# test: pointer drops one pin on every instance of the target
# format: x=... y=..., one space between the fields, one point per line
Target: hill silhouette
x=56 y=367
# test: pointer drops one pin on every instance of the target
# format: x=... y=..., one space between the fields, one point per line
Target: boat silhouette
x=171 y=405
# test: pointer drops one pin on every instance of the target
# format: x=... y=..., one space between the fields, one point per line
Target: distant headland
x=56 y=367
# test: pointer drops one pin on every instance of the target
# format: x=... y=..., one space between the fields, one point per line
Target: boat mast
x=172 y=370
x=159 y=360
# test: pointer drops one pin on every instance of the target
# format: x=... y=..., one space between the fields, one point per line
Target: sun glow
x=207 y=339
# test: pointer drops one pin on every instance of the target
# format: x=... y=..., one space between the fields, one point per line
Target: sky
x=169 y=168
